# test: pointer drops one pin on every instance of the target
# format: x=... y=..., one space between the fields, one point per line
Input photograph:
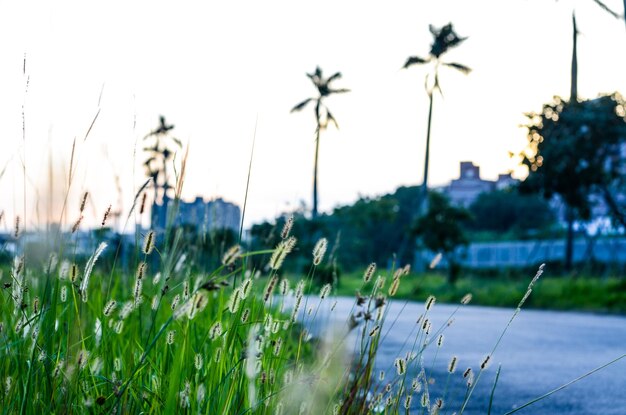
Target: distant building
x=464 y=190
x=214 y=214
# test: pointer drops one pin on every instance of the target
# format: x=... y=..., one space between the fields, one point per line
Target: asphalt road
x=541 y=351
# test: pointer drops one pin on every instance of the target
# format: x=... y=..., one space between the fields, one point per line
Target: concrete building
x=464 y=190
x=214 y=214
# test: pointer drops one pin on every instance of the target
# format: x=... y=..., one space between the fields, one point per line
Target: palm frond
x=459 y=67
x=607 y=9
x=301 y=105
x=412 y=60
x=178 y=142
x=330 y=118
x=444 y=39
x=334 y=76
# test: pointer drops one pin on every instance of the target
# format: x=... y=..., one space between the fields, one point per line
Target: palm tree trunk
x=317 y=148
x=573 y=96
x=569 y=243
x=424 y=190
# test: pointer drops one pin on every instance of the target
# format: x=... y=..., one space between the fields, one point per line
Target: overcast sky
x=214 y=68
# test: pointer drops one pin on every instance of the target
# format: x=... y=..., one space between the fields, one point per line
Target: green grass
x=557 y=293
x=200 y=343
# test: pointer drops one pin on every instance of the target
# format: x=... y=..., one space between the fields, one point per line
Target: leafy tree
x=441 y=230
x=161 y=153
x=444 y=39
x=508 y=211
x=322 y=115
x=576 y=150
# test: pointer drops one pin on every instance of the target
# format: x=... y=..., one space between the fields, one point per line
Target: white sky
x=212 y=67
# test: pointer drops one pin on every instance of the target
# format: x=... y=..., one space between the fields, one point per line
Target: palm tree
x=322 y=116
x=444 y=39
x=573 y=98
x=160 y=154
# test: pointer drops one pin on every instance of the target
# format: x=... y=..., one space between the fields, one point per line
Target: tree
x=322 y=115
x=160 y=154
x=444 y=39
x=575 y=150
x=509 y=211
x=441 y=230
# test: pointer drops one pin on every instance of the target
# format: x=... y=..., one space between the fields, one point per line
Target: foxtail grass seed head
x=440 y=340
x=148 y=243
x=137 y=290
x=64 y=269
x=81 y=360
x=435 y=261
x=400 y=365
x=234 y=301
x=325 y=291
x=77 y=224
x=278 y=346
x=141 y=270
x=186 y=290
x=283 y=287
x=369 y=272
x=232 y=255
x=215 y=331
x=246 y=286
x=218 y=355
x=198 y=301
x=380 y=283
x=51 y=264
x=300 y=289
x=416 y=385
x=119 y=326
x=171 y=337
x=287 y=228
x=269 y=289
x=200 y=394
x=407 y=402
x=36 y=305
x=374 y=331
x=117 y=364
x=106 y=215
x=296 y=309
x=430 y=302
x=74 y=273
x=281 y=251
x=88 y=268
x=319 y=251
x=425 y=401
x=16 y=232
x=142 y=206
x=485 y=362
x=63 y=294
x=381 y=376
x=393 y=289
x=452 y=364
x=175 y=302
x=8 y=383
x=83 y=202
x=197 y=361
x=245 y=315
x=466 y=298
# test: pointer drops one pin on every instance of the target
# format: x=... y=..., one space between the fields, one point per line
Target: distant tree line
x=385 y=229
